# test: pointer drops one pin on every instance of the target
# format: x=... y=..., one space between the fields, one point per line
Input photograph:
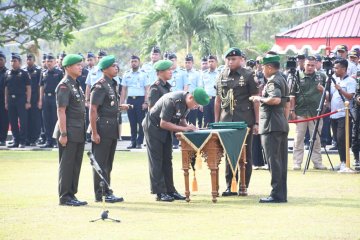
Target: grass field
x=322 y=205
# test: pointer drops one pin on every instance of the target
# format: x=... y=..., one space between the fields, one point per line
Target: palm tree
x=190 y=19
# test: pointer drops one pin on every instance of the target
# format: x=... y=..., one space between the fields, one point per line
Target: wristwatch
x=63 y=134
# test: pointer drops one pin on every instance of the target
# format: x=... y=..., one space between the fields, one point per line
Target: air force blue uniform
x=209 y=82
x=136 y=82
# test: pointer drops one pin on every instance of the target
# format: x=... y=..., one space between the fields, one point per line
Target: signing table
x=223 y=139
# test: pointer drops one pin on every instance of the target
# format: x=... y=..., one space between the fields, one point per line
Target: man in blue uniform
x=194 y=82
x=34 y=113
x=135 y=87
x=209 y=82
x=17 y=100
x=4 y=119
x=47 y=100
x=148 y=67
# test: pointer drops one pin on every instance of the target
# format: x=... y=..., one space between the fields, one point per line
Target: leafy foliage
x=23 y=21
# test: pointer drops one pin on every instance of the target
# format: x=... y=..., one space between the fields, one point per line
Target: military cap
x=353 y=53
x=163 y=65
x=171 y=56
x=204 y=59
x=251 y=63
x=62 y=55
x=300 y=56
x=71 y=59
x=44 y=56
x=106 y=62
x=15 y=56
x=155 y=49
x=189 y=57
x=212 y=57
x=50 y=56
x=80 y=54
x=270 y=58
x=30 y=56
x=318 y=57
x=2 y=55
x=232 y=52
x=342 y=48
x=134 y=57
x=102 y=53
x=201 y=96
x=90 y=55
x=311 y=58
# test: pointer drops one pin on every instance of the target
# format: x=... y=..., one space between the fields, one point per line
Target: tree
x=23 y=21
x=189 y=19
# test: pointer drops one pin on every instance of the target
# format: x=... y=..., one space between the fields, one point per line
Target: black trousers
x=34 y=123
x=249 y=163
x=17 y=114
x=70 y=159
x=257 y=152
x=275 y=147
x=160 y=164
x=209 y=116
x=355 y=143
x=338 y=128
x=4 y=121
x=104 y=153
x=49 y=117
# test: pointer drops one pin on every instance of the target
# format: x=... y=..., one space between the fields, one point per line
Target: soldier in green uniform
x=70 y=130
x=235 y=84
x=167 y=116
x=104 y=108
x=274 y=128
x=160 y=86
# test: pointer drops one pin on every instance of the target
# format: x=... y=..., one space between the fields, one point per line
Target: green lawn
x=322 y=205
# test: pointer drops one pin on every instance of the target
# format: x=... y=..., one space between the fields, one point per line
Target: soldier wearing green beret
x=70 y=130
x=274 y=128
x=166 y=116
x=234 y=85
x=160 y=86
x=104 y=108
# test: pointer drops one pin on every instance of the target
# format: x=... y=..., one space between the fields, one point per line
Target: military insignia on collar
x=98 y=85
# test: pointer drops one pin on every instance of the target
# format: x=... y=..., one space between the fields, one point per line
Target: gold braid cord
x=228 y=100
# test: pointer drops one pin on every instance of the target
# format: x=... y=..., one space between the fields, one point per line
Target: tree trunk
x=188 y=45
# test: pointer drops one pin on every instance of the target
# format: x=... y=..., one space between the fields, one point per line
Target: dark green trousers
x=275 y=146
x=70 y=159
x=104 y=153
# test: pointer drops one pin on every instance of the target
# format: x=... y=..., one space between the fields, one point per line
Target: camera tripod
x=296 y=79
x=103 y=183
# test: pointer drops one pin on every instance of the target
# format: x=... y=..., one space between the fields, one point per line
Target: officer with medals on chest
x=34 y=113
x=166 y=116
x=104 y=108
x=235 y=84
x=70 y=130
x=47 y=101
x=17 y=100
x=274 y=127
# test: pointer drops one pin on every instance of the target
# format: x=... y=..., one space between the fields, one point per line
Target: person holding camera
x=305 y=95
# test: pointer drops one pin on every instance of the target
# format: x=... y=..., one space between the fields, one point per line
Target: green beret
x=163 y=65
x=269 y=58
x=233 y=52
x=71 y=59
x=106 y=62
x=201 y=96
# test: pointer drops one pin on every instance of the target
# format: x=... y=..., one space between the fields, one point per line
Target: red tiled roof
x=343 y=21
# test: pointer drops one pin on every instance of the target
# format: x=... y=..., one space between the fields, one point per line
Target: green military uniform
x=157 y=90
x=104 y=95
x=234 y=88
x=70 y=95
x=274 y=128
x=171 y=108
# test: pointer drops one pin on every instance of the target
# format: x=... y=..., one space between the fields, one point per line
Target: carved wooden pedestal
x=212 y=152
